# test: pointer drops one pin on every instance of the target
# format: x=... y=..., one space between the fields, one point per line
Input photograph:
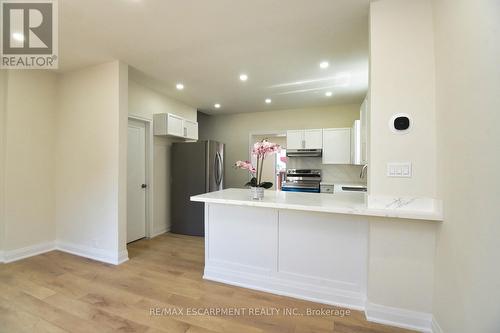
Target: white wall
x=3 y=102
x=402 y=80
x=401 y=270
x=90 y=161
x=467 y=285
x=28 y=168
x=143 y=103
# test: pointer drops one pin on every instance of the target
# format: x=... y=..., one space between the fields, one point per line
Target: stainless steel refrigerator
x=197 y=167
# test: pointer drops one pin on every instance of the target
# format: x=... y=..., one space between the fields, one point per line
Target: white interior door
x=136 y=177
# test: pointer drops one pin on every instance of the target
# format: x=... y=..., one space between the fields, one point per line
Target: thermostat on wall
x=400 y=123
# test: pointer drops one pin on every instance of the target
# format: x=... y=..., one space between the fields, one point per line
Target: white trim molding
x=435 y=326
x=93 y=253
x=284 y=287
x=78 y=250
x=159 y=232
x=419 y=321
x=26 y=252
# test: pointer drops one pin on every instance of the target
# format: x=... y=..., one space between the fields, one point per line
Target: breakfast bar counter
x=328 y=248
x=343 y=203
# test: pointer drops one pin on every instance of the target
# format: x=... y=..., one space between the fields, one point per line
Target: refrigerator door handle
x=218 y=169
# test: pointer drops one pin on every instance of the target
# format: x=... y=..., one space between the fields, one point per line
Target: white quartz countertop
x=340 y=203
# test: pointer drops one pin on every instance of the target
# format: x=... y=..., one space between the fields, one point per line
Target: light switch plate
x=399 y=170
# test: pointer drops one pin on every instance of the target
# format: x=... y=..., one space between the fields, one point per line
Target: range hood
x=304 y=152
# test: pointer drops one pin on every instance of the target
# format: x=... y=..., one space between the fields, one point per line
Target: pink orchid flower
x=245 y=165
x=260 y=150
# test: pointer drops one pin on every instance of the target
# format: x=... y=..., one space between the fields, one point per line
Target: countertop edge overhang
x=341 y=203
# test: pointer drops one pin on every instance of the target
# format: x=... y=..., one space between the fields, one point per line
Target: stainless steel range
x=302 y=180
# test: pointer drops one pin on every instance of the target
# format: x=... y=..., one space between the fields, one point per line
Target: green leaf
x=252 y=182
x=266 y=185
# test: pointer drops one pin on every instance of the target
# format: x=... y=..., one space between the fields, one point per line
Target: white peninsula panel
x=325 y=250
x=241 y=238
x=309 y=255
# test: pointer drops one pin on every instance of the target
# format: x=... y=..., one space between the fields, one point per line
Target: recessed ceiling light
x=217 y=106
x=328 y=94
x=179 y=86
x=18 y=36
x=324 y=64
x=243 y=77
x=268 y=101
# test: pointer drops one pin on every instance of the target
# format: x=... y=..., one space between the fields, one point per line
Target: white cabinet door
x=336 y=146
x=313 y=138
x=175 y=125
x=295 y=139
x=190 y=129
x=364 y=131
x=356 y=143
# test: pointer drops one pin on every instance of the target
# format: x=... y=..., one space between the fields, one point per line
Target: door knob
x=144 y=185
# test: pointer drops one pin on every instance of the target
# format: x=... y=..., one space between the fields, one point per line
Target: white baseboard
x=419 y=321
x=28 y=251
x=79 y=250
x=285 y=287
x=122 y=257
x=435 y=326
x=93 y=253
x=159 y=232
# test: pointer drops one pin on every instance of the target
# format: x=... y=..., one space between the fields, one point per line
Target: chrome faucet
x=364 y=169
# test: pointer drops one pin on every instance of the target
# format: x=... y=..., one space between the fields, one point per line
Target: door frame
x=149 y=171
x=251 y=134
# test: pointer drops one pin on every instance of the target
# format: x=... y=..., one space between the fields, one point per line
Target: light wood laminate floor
x=59 y=292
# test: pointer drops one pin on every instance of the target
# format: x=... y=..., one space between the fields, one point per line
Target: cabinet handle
x=185 y=131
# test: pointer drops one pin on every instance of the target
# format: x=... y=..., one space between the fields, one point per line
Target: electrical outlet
x=399 y=170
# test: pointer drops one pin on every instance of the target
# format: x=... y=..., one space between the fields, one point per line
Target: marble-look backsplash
x=331 y=173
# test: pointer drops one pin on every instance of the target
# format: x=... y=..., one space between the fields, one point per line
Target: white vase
x=257 y=193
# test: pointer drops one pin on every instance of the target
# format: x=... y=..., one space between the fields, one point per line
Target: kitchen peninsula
x=328 y=248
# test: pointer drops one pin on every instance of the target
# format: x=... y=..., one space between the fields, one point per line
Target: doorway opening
x=274 y=166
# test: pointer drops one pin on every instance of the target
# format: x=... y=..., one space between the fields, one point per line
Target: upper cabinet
x=295 y=139
x=363 y=115
x=173 y=125
x=190 y=129
x=313 y=138
x=304 y=139
x=356 y=143
x=337 y=146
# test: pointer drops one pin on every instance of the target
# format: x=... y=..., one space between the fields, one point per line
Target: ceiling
x=207 y=44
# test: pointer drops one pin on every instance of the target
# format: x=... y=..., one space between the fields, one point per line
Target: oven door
x=301 y=187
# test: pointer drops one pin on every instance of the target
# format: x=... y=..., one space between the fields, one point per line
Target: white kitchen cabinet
x=313 y=138
x=356 y=143
x=336 y=146
x=190 y=129
x=363 y=115
x=295 y=139
x=173 y=125
x=304 y=139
